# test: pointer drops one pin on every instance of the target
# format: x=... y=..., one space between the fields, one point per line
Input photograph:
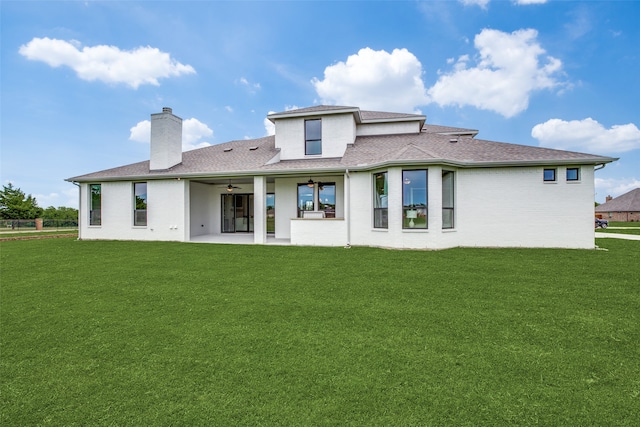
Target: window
x=573 y=174
x=549 y=175
x=380 y=196
x=305 y=198
x=448 y=199
x=313 y=137
x=95 y=204
x=323 y=200
x=271 y=213
x=140 y=203
x=327 y=198
x=414 y=199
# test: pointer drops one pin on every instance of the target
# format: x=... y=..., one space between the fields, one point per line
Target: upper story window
x=140 y=203
x=549 y=175
x=313 y=137
x=95 y=204
x=573 y=174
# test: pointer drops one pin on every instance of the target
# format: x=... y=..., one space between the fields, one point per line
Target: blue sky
x=80 y=79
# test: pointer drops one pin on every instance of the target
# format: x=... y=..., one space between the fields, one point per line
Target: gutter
x=79 y=203
x=340 y=169
x=347 y=206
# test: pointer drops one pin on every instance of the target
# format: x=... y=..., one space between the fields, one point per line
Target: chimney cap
x=167 y=110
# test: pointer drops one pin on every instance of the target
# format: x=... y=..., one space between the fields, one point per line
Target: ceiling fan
x=230 y=187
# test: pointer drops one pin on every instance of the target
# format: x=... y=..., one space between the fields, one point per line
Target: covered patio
x=237 y=239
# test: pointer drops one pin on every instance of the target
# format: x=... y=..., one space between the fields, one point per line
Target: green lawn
x=143 y=334
x=621 y=228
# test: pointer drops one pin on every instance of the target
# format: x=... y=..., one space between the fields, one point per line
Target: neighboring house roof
x=434 y=144
x=628 y=202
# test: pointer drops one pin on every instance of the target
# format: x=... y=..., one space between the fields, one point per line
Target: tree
x=61 y=213
x=15 y=205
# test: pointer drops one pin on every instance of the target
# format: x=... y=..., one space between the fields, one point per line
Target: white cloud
x=269 y=127
x=508 y=70
x=374 y=80
x=141 y=132
x=109 y=64
x=525 y=2
x=251 y=87
x=614 y=187
x=482 y=3
x=193 y=131
x=587 y=135
x=67 y=197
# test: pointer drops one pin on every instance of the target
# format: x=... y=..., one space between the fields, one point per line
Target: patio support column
x=259 y=209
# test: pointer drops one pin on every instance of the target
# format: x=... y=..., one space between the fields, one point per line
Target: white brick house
x=338 y=176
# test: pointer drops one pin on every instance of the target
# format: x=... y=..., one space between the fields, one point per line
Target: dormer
x=315 y=132
x=326 y=131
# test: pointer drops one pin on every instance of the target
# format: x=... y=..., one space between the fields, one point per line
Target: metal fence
x=37 y=224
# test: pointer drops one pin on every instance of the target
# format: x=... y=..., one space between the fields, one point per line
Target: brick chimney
x=166 y=140
x=606 y=199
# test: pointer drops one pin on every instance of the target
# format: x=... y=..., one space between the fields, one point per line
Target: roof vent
x=167 y=110
x=254 y=148
x=453 y=140
x=226 y=150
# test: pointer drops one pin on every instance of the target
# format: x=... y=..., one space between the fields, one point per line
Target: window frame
x=380 y=213
x=577 y=178
x=328 y=212
x=300 y=209
x=136 y=221
x=318 y=205
x=555 y=175
x=409 y=207
x=451 y=208
x=95 y=220
x=309 y=141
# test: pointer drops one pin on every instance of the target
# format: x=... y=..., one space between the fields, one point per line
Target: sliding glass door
x=237 y=213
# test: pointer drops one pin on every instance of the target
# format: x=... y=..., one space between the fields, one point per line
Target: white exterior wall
x=167 y=207
x=504 y=207
x=494 y=207
x=286 y=191
x=388 y=128
x=319 y=232
x=364 y=234
x=513 y=207
x=337 y=131
x=202 y=209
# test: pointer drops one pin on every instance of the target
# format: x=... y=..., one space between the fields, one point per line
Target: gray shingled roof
x=628 y=202
x=248 y=157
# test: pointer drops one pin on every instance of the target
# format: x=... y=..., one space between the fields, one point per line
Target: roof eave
x=289 y=115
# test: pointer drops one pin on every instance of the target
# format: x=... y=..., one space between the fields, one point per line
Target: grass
x=621 y=228
x=135 y=333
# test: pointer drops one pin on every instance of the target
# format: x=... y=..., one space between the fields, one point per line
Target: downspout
x=601 y=167
x=79 y=203
x=347 y=191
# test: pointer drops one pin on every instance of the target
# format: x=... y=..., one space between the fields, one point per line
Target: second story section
x=326 y=131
